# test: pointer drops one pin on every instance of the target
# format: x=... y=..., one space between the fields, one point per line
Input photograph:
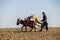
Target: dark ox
x=26 y=24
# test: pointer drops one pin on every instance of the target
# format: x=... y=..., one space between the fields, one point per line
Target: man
x=44 y=22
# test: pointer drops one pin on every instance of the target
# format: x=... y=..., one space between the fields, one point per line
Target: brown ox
x=26 y=24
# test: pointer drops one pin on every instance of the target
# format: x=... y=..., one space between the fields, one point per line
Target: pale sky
x=10 y=10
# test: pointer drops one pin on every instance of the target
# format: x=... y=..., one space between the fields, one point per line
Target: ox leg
x=22 y=28
x=35 y=29
x=25 y=28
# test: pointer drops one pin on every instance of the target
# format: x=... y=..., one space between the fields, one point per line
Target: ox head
x=18 y=21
